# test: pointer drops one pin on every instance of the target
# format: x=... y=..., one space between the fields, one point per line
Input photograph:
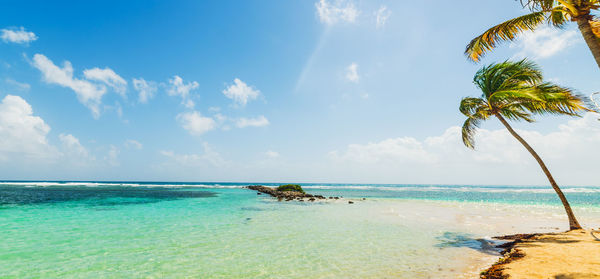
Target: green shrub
x=290 y=187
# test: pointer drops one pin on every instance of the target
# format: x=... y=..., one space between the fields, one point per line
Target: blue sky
x=298 y=91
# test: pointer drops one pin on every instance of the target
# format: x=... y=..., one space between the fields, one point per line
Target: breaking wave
x=373 y=187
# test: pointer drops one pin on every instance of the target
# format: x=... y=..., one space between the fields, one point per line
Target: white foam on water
x=125 y=184
x=415 y=188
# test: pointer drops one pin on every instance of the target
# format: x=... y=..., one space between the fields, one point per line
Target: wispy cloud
x=195 y=123
x=72 y=146
x=209 y=157
x=240 y=92
x=17 y=36
x=112 y=157
x=88 y=93
x=145 y=89
x=260 y=121
x=544 y=42
x=382 y=16
x=352 y=73
x=108 y=77
x=89 y=90
x=571 y=150
x=21 y=86
x=336 y=11
x=272 y=154
x=133 y=144
x=183 y=90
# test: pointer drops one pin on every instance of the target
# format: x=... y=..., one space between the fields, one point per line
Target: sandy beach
x=573 y=254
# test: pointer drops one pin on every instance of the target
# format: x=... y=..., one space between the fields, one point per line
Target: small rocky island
x=288 y=192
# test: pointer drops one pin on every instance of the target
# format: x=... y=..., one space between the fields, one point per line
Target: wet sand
x=569 y=255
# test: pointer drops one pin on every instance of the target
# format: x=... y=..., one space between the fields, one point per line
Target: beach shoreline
x=570 y=254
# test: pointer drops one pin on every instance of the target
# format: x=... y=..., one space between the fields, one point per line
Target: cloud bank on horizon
x=569 y=149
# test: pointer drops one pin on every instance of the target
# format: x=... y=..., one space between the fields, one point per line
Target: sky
x=339 y=91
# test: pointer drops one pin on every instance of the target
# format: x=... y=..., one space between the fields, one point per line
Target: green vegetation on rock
x=290 y=187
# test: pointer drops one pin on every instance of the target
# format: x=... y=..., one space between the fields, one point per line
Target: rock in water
x=284 y=195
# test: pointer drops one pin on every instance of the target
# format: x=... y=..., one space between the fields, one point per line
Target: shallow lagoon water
x=158 y=230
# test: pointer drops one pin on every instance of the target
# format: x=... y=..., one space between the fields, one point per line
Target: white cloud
x=108 y=77
x=22 y=133
x=389 y=150
x=25 y=150
x=112 y=156
x=24 y=138
x=183 y=90
x=17 y=36
x=195 y=123
x=210 y=157
x=119 y=109
x=220 y=118
x=272 y=154
x=595 y=100
x=240 y=92
x=352 y=73
x=72 y=146
x=88 y=93
x=21 y=86
x=133 y=144
x=382 y=15
x=544 y=42
x=145 y=89
x=571 y=152
x=260 y=121
x=337 y=11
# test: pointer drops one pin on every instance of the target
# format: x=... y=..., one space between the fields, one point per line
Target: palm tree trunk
x=573 y=224
x=591 y=40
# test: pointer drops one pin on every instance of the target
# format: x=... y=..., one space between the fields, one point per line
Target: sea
x=94 y=229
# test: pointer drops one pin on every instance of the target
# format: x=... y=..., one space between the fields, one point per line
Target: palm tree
x=553 y=12
x=516 y=91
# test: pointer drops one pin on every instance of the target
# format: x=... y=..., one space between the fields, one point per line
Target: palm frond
x=515 y=74
x=526 y=93
x=557 y=100
x=476 y=110
x=550 y=99
x=515 y=113
x=537 y=5
x=558 y=17
x=516 y=91
x=507 y=75
x=595 y=27
x=574 y=6
x=506 y=31
x=469 y=129
x=469 y=106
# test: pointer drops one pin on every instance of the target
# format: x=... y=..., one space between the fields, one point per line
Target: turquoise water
x=219 y=230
